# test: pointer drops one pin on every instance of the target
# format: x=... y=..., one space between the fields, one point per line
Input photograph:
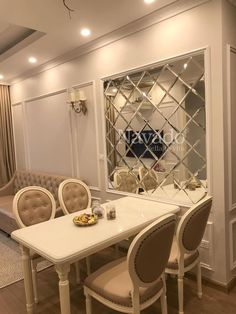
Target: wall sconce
x=78 y=101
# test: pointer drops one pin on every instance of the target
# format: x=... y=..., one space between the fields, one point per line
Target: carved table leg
x=64 y=288
x=26 y=262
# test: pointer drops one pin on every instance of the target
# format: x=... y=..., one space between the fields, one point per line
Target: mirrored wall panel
x=156 y=131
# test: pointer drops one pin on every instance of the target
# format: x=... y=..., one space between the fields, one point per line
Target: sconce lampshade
x=77 y=99
x=82 y=96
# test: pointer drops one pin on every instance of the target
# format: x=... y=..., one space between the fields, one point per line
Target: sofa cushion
x=46 y=180
x=20 y=180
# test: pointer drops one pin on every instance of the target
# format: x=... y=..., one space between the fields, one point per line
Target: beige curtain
x=7 y=155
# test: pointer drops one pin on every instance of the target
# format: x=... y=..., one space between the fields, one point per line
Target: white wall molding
x=231 y=243
x=229 y=50
x=75 y=133
x=57 y=92
x=145 y=22
x=207 y=245
x=97 y=136
x=26 y=137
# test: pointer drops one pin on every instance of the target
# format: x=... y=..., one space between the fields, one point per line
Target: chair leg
x=117 y=250
x=163 y=303
x=88 y=265
x=88 y=303
x=34 y=279
x=136 y=302
x=77 y=273
x=199 y=281
x=181 y=294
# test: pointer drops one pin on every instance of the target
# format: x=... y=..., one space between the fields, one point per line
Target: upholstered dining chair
x=32 y=205
x=184 y=252
x=133 y=283
x=148 y=178
x=126 y=181
x=74 y=195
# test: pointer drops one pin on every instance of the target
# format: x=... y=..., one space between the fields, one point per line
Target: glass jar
x=111 y=211
x=97 y=209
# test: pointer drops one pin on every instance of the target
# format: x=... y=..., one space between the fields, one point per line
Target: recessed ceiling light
x=114 y=90
x=85 y=32
x=32 y=60
x=149 y=1
x=185 y=66
x=1 y=77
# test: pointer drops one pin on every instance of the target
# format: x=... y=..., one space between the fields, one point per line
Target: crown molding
x=162 y=14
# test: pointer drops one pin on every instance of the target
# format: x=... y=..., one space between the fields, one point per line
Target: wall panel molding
x=232 y=240
x=229 y=50
x=77 y=134
x=206 y=248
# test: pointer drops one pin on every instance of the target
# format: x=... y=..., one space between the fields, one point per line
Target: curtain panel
x=7 y=154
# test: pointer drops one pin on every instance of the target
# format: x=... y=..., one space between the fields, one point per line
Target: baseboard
x=231 y=284
x=213 y=284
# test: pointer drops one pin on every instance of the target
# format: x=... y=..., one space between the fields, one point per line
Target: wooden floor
x=12 y=298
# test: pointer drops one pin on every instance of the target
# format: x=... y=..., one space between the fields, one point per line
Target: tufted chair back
x=149 y=251
x=32 y=205
x=148 y=178
x=73 y=195
x=126 y=181
x=28 y=178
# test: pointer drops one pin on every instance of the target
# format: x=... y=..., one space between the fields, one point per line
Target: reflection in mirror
x=156 y=131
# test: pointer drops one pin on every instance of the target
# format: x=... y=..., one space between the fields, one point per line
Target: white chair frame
x=137 y=307
x=35 y=259
x=116 y=175
x=66 y=212
x=181 y=269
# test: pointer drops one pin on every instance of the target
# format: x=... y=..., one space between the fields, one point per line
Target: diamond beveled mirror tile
x=155 y=131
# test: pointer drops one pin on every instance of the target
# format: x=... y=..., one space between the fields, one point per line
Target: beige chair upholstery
x=184 y=252
x=131 y=284
x=32 y=205
x=73 y=195
x=148 y=178
x=126 y=181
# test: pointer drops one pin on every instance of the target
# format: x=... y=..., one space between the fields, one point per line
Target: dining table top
x=60 y=240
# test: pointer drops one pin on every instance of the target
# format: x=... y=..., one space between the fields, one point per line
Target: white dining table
x=63 y=243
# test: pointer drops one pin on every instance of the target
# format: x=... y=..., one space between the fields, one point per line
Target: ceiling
x=43 y=29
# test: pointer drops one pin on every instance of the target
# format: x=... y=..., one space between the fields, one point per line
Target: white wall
x=229 y=68
x=191 y=30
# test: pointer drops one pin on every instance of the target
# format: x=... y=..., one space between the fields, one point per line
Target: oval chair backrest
x=148 y=178
x=73 y=195
x=192 y=226
x=32 y=205
x=149 y=251
x=126 y=181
